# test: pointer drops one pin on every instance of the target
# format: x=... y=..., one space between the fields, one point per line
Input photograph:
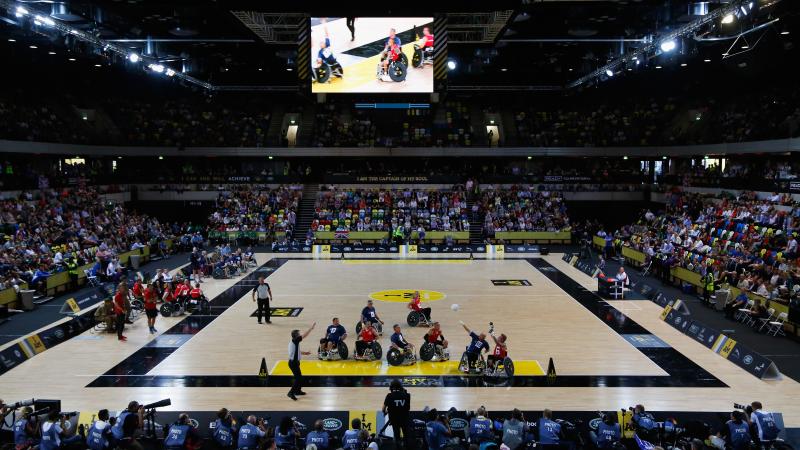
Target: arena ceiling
x=539 y=43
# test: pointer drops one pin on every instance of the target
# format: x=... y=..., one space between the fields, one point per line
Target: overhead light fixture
x=43 y=20
x=609 y=73
x=33 y=46
x=451 y=65
x=98 y=65
x=260 y=69
x=269 y=157
x=289 y=69
x=71 y=59
x=745 y=47
x=20 y=11
x=706 y=60
x=658 y=67
x=729 y=18
x=785 y=32
x=51 y=53
x=570 y=69
x=157 y=68
x=683 y=64
x=134 y=58
x=504 y=69
x=170 y=73
x=668 y=46
x=624 y=157
x=12 y=40
x=160 y=157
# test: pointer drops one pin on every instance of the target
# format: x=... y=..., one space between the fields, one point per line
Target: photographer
x=128 y=422
x=57 y=432
x=765 y=428
x=480 y=428
x=548 y=429
x=250 y=433
x=286 y=433
x=644 y=423
x=737 y=431
x=99 y=435
x=514 y=430
x=608 y=433
x=224 y=429
x=25 y=429
x=352 y=437
x=397 y=404
x=318 y=436
x=182 y=435
x=437 y=430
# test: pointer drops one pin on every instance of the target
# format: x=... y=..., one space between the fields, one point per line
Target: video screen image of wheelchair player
x=372 y=54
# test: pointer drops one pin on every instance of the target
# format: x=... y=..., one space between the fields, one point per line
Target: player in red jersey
x=365 y=339
x=500 y=351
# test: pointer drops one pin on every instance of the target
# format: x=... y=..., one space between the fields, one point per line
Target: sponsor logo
x=434 y=249
x=458 y=424
x=331 y=424
x=405 y=295
x=748 y=359
x=59 y=334
x=594 y=423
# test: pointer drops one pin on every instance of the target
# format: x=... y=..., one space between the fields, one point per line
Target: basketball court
x=607 y=355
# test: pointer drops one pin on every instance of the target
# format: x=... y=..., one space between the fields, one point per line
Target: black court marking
x=682 y=372
x=287 y=311
x=375 y=47
x=511 y=282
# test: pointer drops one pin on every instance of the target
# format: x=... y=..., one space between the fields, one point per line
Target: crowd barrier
x=683 y=275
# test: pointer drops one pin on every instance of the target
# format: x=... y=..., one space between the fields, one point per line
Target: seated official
x=736 y=432
x=318 y=436
x=334 y=334
x=182 y=435
x=480 y=428
x=644 y=423
x=622 y=278
x=735 y=304
x=251 y=433
x=99 y=435
x=224 y=429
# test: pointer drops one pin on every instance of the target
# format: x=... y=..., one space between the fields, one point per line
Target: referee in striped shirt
x=264 y=294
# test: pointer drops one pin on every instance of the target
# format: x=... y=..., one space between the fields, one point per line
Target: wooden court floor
x=542 y=321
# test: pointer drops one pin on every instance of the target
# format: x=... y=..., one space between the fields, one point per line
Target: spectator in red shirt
x=120 y=299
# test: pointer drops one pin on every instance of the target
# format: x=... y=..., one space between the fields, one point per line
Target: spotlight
x=38 y=20
x=157 y=68
x=504 y=69
x=20 y=11
x=683 y=64
x=609 y=73
x=72 y=59
x=170 y=73
x=706 y=60
x=133 y=57
x=51 y=53
x=289 y=69
x=658 y=67
x=530 y=157
x=745 y=47
x=270 y=157
x=33 y=47
x=668 y=46
x=451 y=65
x=12 y=40
x=160 y=157
x=784 y=32
x=728 y=19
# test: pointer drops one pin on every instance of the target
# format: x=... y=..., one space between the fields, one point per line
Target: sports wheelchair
x=433 y=352
x=398 y=357
x=417 y=318
x=372 y=352
x=397 y=70
x=422 y=56
x=324 y=72
x=500 y=369
x=187 y=305
x=378 y=327
x=339 y=353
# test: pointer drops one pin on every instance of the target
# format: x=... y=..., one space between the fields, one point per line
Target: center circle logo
x=405 y=295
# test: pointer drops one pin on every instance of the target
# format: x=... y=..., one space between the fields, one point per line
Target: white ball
x=454 y=307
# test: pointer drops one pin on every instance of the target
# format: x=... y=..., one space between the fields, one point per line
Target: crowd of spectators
x=387 y=209
x=256 y=208
x=742 y=241
x=50 y=231
x=521 y=208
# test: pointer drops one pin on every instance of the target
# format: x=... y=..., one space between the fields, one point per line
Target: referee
x=264 y=294
x=294 y=361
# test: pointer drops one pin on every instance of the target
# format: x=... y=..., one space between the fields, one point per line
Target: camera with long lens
x=158 y=404
x=746 y=408
x=68 y=414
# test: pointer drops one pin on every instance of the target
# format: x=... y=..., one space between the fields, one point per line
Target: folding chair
x=776 y=326
x=91 y=279
x=744 y=312
x=770 y=317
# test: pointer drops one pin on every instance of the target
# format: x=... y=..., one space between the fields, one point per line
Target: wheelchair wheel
x=377 y=350
x=166 y=309
x=508 y=365
x=413 y=318
x=404 y=59
x=416 y=59
x=343 y=350
x=427 y=351
x=394 y=357
x=358 y=328
x=137 y=305
x=323 y=73
x=397 y=71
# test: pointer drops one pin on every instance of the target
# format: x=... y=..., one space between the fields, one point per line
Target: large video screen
x=372 y=54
